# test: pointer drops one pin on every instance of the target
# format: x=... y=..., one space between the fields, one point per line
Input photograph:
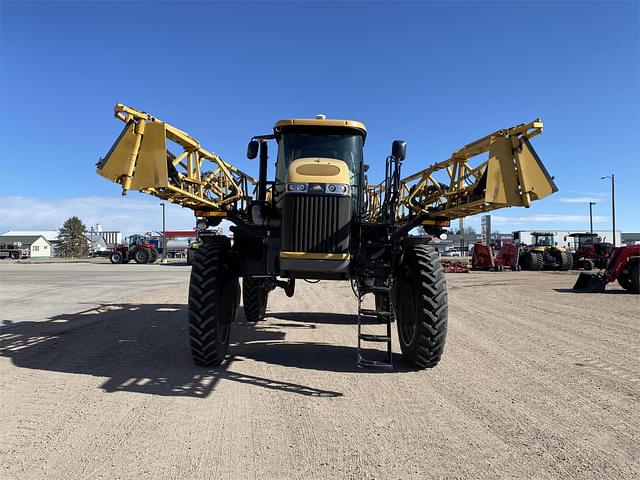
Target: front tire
x=213 y=300
x=630 y=280
x=255 y=297
x=115 y=257
x=15 y=255
x=421 y=309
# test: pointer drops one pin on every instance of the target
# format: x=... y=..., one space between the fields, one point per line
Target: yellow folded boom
x=512 y=175
x=193 y=177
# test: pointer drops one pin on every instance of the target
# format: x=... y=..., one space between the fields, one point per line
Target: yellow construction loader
x=320 y=218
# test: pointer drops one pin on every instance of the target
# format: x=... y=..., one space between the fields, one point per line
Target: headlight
x=290 y=187
x=343 y=188
x=332 y=188
x=302 y=187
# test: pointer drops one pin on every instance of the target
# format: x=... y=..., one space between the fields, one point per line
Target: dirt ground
x=536 y=382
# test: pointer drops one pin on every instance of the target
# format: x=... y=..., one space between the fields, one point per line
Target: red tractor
x=589 y=251
x=624 y=266
x=137 y=248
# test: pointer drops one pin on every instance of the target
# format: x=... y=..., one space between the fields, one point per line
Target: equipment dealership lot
x=536 y=382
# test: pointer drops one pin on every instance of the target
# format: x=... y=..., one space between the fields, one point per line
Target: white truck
x=13 y=250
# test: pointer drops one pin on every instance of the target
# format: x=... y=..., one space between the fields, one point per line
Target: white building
x=50 y=235
x=38 y=245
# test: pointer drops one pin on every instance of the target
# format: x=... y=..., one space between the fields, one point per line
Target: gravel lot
x=536 y=382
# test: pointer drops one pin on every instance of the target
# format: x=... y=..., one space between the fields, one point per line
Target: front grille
x=316 y=223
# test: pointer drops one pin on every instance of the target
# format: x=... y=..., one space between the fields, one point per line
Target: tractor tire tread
x=208 y=277
x=427 y=347
x=254 y=299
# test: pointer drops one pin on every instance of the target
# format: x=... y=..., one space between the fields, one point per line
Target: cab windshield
x=327 y=143
x=545 y=240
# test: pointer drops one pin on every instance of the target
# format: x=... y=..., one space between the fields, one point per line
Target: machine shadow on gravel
x=144 y=348
x=604 y=292
x=316 y=317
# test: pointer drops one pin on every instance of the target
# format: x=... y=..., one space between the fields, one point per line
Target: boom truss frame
x=511 y=176
x=195 y=178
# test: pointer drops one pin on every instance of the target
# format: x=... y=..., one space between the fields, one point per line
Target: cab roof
x=321 y=122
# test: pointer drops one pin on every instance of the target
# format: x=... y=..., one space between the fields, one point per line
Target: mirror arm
x=262 y=178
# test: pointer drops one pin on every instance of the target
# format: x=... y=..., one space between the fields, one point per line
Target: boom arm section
x=195 y=178
x=513 y=175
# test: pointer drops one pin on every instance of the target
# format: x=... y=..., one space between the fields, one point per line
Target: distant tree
x=71 y=239
x=465 y=231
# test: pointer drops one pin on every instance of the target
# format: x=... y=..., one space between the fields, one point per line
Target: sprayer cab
x=315 y=195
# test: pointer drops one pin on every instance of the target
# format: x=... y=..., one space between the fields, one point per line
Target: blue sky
x=435 y=74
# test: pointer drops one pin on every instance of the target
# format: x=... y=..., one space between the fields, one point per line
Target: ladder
x=377 y=249
x=381 y=314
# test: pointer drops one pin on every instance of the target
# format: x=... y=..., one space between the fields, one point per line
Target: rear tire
x=15 y=255
x=213 y=301
x=255 y=297
x=142 y=255
x=565 y=260
x=587 y=264
x=115 y=257
x=421 y=309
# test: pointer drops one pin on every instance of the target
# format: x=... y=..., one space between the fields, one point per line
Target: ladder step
x=374 y=313
x=374 y=289
x=374 y=338
x=363 y=362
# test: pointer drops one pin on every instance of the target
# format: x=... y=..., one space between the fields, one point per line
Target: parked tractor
x=589 y=251
x=318 y=218
x=544 y=254
x=137 y=248
x=623 y=266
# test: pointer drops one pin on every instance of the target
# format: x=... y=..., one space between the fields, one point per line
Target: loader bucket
x=589 y=282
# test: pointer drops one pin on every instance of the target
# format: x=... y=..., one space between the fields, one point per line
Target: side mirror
x=365 y=168
x=252 y=149
x=399 y=149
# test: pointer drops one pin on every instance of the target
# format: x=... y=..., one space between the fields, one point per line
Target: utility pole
x=591 y=204
x=613 y=204
x=164 y=236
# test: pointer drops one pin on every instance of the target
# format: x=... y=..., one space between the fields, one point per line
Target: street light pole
x=613 y=204
x=591 y=204
x=164 y=236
